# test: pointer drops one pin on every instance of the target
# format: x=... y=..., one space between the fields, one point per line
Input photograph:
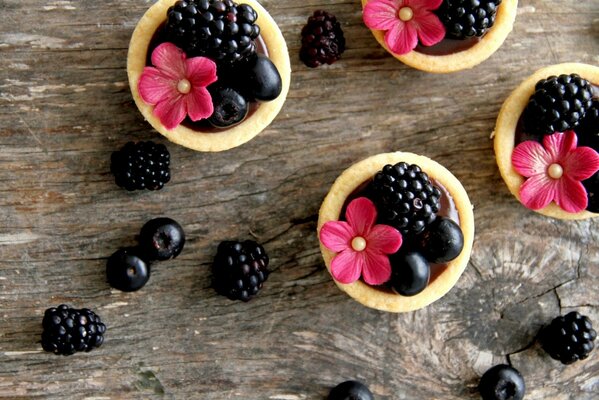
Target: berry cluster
x=323 y=41
x=128 y=269
x=464 y=19
x=561 y=103
x=406 y=199
x=68 y=330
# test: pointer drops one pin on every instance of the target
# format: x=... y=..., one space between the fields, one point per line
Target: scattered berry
x=467 y=18
x=350 y=390
x=240 y=269
x=441 y=241
x=588 y=129
x=558 y=104
x=161 y=239
x=221 y=30
x=592 y=187
x=126 y=271
x=568 y=338
x=410 y=273
x=141 y=165
x=68 y=330
x=260 y=79
x=322 y=40
x=230 y=107
x=502 y=382
x=405 y=197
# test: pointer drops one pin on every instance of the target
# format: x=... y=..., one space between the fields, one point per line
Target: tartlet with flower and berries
x=440 y=36
x=208 y=74
x=547 y=141
x=396 y=231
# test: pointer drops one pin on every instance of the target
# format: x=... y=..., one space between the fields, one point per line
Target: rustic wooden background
x=65 y=106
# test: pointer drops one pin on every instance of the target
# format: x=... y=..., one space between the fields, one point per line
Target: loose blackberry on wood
x=404 y=197
x=141 y=165
x=223 y=31
x=322 y=40
x=568 y=338
x=558 y=104
x=467 y=18
x=240 y=269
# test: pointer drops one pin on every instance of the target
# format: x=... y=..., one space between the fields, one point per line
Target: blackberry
x=557 y=105
x=568 y=338
x=240 y=269
x=220 y=30
x=467 y=18
x=322 y=40
x=587 y=130
x=141 y=165
x=68 y=330
x=405 y=197
x=592 y=187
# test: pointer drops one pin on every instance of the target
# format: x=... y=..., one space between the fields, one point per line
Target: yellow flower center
x=358 y=243
x=405 y=14
x=184 y=86
x=555 y=171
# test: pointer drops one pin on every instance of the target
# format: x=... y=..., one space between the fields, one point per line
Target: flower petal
x=154 y=86
x=538 y=191
x=199 y=103
x=347 y=266
x=383 y=239
x=361 y=215
x=200 y=71
x=377 y=269
x=402 y=38
x=571 y=195
x=171 y=111
x=581 y=163
x=336 y=235
x=169 y=59
x=559 y=144
x=429 y=27
x=530 y=158
x=381 y=14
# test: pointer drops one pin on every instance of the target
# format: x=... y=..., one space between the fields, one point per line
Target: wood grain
x=65 y=106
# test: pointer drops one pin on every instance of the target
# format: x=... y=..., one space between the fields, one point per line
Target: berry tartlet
x=396 y=231
x=547 y=141
x=208 y=74
x=440 y=36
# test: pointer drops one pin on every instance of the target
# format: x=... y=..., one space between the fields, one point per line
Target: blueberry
x=126 y=271
x=259 y=79
x=230 y=107
x=161 y=239
x=442 y=241
x=502 y=382
x=411 y=273
x=350 y=390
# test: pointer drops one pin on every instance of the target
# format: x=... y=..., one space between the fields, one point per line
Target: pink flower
x=177 y=85
x=405 y=21
x=554 y=171
x=362 y=246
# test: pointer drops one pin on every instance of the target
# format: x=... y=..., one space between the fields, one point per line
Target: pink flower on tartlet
x=404 y=22
x=555 y=170
x=176 y=85
x=361 y=245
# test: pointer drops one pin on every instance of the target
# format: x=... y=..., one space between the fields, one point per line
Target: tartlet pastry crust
x=505 y=130
x=490 y=42
x=227 y=138
x=364 y=170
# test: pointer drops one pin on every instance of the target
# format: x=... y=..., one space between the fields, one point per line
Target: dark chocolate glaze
x=448 y=46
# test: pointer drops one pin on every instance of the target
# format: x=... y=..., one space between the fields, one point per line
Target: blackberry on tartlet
x=568 y=338
x=68 y=330
x=466 y=18
x=240 y=269
x=323 y=41
x=141 y=165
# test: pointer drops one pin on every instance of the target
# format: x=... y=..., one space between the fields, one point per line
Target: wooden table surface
x=65 y=105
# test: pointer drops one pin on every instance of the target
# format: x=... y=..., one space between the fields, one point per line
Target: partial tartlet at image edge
x=223 y=139
x=350 y=181
x=460 y=59
x=507 y=124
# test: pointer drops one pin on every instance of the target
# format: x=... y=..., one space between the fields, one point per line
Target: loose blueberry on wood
x=126 y=271
x=442 y=241
x=502 y=382
x=411 y=273
x=161 y=239
x=350 y=390
x=230 y=107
